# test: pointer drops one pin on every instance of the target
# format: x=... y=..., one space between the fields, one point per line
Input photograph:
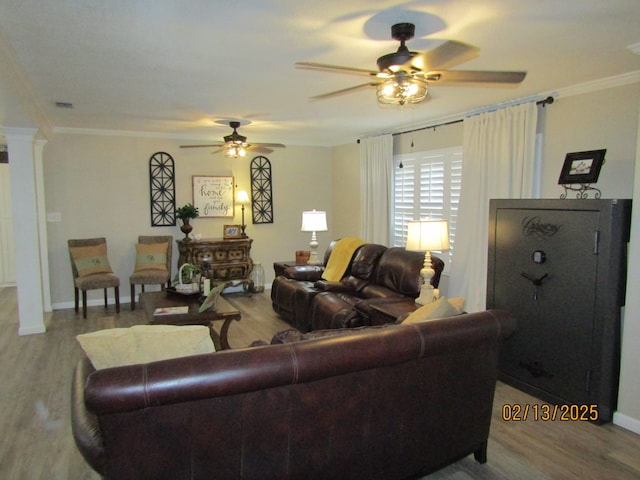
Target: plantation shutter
x=427 y=187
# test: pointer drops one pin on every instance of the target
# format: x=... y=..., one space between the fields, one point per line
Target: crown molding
x=597 y=85
x=579 y=89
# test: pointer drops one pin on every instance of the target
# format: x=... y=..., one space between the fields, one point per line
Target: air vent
x=64 y=104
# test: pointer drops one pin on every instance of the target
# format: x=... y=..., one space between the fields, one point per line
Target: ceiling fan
x=404 y=76
x=235 y=145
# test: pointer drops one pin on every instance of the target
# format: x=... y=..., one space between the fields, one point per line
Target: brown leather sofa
x=385 y=403
x=375 y=274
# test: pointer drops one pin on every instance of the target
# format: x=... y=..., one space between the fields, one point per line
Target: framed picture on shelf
x=232 y=231
x=582 y=167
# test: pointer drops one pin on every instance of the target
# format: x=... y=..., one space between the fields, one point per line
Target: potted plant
x=187 y=275
x=186 y=213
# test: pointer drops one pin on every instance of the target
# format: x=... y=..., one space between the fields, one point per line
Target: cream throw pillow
x=438 y=309
x=116 y=347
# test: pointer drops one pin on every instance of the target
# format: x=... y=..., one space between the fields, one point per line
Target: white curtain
x=376 y=174
x=499 y=162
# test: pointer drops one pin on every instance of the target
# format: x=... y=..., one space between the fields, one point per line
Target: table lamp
x=427 y=235
x=243 y=199
x=314 y=221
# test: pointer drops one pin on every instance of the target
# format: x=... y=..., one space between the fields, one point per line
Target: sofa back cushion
x=365 y=260
x=399 y=270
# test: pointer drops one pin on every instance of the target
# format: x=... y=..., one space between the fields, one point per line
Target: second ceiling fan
x=235 y=145
x=403 y=76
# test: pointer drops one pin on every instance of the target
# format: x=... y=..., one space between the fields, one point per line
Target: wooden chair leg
x=133 y=296
x=76 y=303
x=84 y=304
x=117 y=293
x=105 y=298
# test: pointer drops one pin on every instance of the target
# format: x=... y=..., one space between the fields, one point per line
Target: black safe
x=559 y=266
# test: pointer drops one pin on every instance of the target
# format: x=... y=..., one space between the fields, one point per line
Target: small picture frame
x=582 y=167
x=232 y=231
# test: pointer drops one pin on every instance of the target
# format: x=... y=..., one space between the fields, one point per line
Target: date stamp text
x=544 y=412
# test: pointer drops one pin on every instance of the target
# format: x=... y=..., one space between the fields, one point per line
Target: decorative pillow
x=458 y=303
x=438 y=309
x=116 y=347
x=151 y=256
x=90 y=260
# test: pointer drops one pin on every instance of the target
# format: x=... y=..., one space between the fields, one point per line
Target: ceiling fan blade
x=201 y=146
x=343 y=91
x=446 y=55
x=270 y=145
x=259 y=149
x=474 y=77
x=323 y=67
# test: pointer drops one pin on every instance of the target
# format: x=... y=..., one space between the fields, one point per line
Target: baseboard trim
x=626 y=422
x=96 y=302
x=31 y=330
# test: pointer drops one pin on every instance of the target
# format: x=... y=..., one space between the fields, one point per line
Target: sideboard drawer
x=222 y=260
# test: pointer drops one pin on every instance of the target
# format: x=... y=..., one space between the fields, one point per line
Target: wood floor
x=36 y=443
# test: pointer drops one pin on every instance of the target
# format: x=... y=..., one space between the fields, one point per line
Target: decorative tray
x=173 y=291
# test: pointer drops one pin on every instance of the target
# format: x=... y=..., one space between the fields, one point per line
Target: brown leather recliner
x=375 y=274
x=292 y=292
x=395 y=277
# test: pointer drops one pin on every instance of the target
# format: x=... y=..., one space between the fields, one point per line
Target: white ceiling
x=181 y=67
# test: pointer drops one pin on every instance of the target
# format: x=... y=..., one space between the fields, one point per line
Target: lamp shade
x=314 y=221
x=242 y=197
x=427 y=235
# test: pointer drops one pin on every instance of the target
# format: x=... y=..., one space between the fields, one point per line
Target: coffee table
x=223 y=311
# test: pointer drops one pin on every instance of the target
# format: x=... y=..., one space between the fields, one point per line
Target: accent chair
x=153 y=263
x=91 y=270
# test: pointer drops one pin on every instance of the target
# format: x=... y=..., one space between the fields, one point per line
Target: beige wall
x=100 y=187
x=604 y=119
x=444 y=136
x=345 y=185
x=629 y=394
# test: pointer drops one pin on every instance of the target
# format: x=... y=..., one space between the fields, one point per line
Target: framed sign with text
x=213 y=196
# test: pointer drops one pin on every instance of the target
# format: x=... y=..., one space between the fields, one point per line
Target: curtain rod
x=541 y=103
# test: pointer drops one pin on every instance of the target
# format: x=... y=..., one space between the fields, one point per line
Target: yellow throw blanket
x=340 y=258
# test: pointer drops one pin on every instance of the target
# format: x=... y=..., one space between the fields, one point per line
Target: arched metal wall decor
x=261 y=195
x=162 y=190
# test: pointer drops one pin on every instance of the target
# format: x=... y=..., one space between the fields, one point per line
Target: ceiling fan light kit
x=235 y=151
x=402 y=89
x=404 y=76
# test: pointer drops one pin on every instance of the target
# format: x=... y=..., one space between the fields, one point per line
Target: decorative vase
x=256 y=278
x=186 y=228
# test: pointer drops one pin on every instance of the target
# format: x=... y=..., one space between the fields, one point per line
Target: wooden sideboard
x=220 y=260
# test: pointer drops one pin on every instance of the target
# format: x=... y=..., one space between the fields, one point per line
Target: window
x=428 y=186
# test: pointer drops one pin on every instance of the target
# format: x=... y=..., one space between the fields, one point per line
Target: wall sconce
x=242 y=197
x=427 y=235
x=314 y=222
